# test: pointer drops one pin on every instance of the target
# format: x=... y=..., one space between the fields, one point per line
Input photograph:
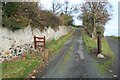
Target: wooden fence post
x=39 y=41
x=99 y=44
x=44 y=43
x=35 y=42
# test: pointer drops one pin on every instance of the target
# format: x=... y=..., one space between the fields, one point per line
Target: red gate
x=39 y=41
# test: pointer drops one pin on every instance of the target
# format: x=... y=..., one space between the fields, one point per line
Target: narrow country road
x=114 y=46
x=72 y=61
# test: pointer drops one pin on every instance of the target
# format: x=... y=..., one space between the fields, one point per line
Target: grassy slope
x=21 y=68
x=55 y=45
x=90 y=44
x=106 y=49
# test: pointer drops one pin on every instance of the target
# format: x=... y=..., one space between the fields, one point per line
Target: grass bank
x=90 y=44
x=55 y=45
x=21 y=68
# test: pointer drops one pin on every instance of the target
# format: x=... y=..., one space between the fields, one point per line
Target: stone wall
x=10 y=39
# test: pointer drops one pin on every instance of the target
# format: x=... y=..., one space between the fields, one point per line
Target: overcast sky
x=111 y=27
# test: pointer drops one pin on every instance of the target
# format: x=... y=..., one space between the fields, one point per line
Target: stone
x=100 y=56
x=11 y=56
x=7 y=52
x=20 y=51
x=18 y=46
x=1 y=60
x=15 y=51
x=115 y=76
x=15 y=44
x=77 y=59
x=34 y=71
x=43 y=77
x=10 y=48
x=110 y=71
x=32 y=76
x=81 y=55
x=31 y=46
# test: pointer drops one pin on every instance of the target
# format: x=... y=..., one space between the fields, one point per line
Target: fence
x=39 y=42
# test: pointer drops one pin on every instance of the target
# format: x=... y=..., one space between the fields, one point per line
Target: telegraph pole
x=66 y=8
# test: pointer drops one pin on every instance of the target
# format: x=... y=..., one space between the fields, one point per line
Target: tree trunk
x=94 y=26
x=93 y=35
x=94 y=32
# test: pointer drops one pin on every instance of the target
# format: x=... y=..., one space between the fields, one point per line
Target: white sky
x=48 y=3
x=111 y=27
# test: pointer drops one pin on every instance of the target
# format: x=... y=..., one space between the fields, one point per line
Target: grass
x=55 y=45
x=106 y=49
x=67 y=57
x=22 y=68
x=91 y=44
x=103 y=66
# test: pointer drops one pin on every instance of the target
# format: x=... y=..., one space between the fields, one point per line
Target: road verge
x=90 y=44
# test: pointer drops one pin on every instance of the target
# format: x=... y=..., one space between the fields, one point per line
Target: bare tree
x=94 y=16
x=56 y=6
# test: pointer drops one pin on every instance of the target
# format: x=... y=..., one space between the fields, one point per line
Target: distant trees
x=66 y=7
x=67 y=19
x=64 y=11
x=94 y=16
